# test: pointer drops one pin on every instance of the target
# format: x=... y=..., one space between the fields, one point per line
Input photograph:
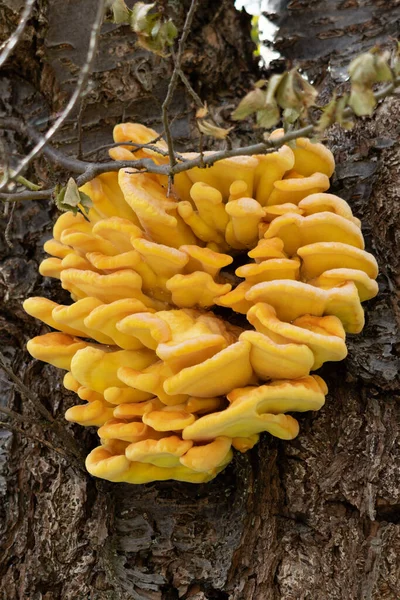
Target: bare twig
x=26 y=391
x=80 y=128
x=149 y=146
x=142 y=164
x=197 y=100
x=28 y=195
x=16 y=36
x=79 y=88
x=13 y=415
x=5 y=167
x=33 y=423
x=90 y=170
x=24 y=420
x=189 y=88
x=57 y=157
x=173 y=82
x=7 y=230
x=39 y=440
x=66 y=438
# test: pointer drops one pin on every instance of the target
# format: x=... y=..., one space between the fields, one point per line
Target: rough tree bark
x=316 y=518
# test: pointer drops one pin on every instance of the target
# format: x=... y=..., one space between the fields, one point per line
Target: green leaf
x=396 y=62
x=25 y=182
x=295 y=92
x=59 y=194
x=153 y=34
x=271 y=114
x=121 y=12
x=69 y=198
x=268 y=117
x=342 y=103
x=86 y=202
x=285 y=94
x=396 y=66
x=252 y=102
x=156 y=29
x=170 y=32
x=290 y=116
x=272 y=88
x=328 y=115
x=362 y=69
x=383 y=71
x=362 y=100
x=365 y=70
x=305 y=91
x=140 y=20
x=370 y=67
x=333 y=113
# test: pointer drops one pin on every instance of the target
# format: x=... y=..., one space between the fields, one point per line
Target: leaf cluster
x=289 y=96
x=153 y=33
x=70 y=198
x=289 y=92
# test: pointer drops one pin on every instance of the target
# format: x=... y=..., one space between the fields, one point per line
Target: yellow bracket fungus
x=256 y=409
x=196 y=289
x=94 y=413
x=97 y=369
x=106 y=317
x=165 y=452
x=172 y=388
x=292 y=299
x=296 y=231
x=324 y=256
x=324 y=336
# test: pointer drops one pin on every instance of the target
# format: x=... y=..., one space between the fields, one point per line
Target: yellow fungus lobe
x=157 y=274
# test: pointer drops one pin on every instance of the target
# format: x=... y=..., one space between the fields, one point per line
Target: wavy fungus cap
x=196 y=317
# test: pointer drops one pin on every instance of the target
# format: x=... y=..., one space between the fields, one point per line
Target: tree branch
x=66 y=438
x=173 y=82
x=28 y=195
x=73 y=165
x=89 y=170
x=16 y=36
x=23 y=421
x=35 y=438
x=149 y=146
x=81 y=83
x=13 y=415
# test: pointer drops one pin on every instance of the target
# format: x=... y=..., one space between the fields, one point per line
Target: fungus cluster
x=171 y=386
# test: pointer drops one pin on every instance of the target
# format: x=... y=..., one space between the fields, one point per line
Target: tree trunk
x=315 y=518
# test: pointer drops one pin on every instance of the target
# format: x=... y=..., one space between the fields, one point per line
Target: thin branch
x=189 y=88
x=149 y=146
x=66 y=438
x=13 y=415
x=24 y=421
x=16 y=36
x=7 y=230
x=96 y=169
x=4 y=162
x=34 y=438
x=173 y=82
x=79 y=126
x=28 y=195
x=73 y=165
x=25 y=390
x=79 y=88
x=90 y=170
